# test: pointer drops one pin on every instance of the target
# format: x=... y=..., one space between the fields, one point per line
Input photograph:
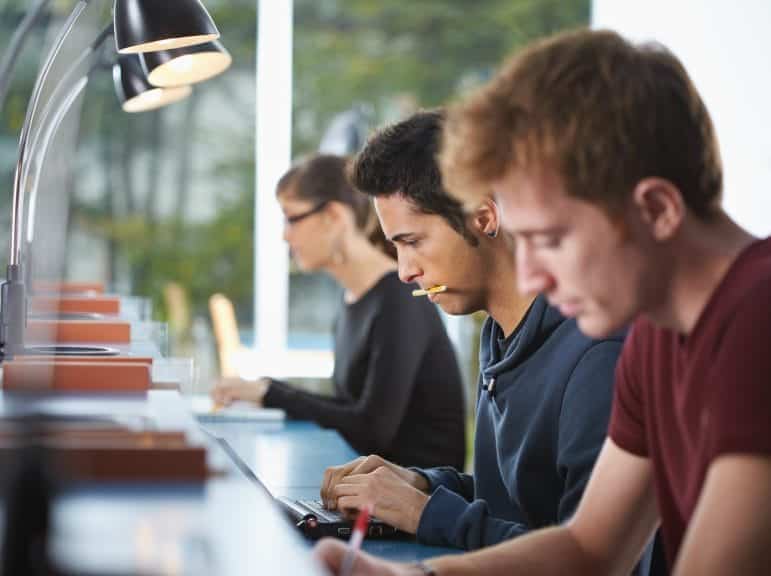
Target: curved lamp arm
x=61 y=100
x=141 y=32
x=18 y=190
x=52 y=105
x=13 y=306
x=50 y=130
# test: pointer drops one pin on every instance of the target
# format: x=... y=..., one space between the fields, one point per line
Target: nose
x=532 y=275
x=287 y=230
x=409 y=272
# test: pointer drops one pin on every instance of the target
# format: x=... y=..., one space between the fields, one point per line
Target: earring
x=492 y=233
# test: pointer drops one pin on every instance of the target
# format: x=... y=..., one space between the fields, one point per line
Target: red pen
x=357 y=537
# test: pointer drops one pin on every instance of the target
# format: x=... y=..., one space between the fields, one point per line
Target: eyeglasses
x=294 y=219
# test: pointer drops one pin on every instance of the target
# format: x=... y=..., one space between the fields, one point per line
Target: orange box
x=92 y=331
x=41 y=376
x=90 y=450
x=172 y=464
x=67 y=287
x=83 y=304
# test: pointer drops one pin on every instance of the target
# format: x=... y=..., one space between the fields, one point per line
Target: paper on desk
x=203 y=409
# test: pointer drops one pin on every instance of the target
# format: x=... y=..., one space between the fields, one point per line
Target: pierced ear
x=660 y=206
x=486 y=218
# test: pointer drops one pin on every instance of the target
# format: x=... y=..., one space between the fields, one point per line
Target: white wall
x=726 y=47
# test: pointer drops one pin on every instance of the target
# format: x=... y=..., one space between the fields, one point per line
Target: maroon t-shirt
x=682 y=402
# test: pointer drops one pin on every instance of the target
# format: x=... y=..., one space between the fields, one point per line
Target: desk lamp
x=139 y=26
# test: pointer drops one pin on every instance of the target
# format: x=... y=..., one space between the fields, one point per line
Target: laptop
x=309 y=515
x=239 y=412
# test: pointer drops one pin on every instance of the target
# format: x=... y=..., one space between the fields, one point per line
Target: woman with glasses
x=398 y=390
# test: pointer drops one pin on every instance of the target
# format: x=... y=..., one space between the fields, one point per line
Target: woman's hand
x=228 y=390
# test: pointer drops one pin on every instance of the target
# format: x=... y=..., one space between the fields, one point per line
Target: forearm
x=368 y=426
x=448 y=477
x=296 y=402
x=450 y=520
x=547 y=552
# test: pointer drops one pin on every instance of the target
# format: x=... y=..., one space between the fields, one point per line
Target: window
x=359 y=64
x=178 y=204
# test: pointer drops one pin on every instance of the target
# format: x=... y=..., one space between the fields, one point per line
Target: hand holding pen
x=354 y=544
x=334 y=555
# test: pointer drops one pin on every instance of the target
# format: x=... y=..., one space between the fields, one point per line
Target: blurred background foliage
x=168 y=196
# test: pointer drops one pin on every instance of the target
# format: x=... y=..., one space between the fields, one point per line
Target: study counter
x=219 y=523
x=222 y=525
x=290 y=457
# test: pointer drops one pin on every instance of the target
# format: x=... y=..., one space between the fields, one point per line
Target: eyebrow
x=527 y=233
x=401 y=237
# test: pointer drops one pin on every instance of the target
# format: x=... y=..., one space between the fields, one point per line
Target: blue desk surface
x=222 y=526
x=290 y=458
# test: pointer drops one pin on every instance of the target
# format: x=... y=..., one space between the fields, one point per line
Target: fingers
x=332 y=477
x=380 y=475
x=355 y=492
x=350 y=505
x=228 y=390
x=335 y=474
x=359 y=490
x=359 y=468
x=370 y=487
x=368 y=464
x=221 y=396
x=349 y=488
x=224 y=392
x=384 y=511
x=389 y=497
x=332 y=552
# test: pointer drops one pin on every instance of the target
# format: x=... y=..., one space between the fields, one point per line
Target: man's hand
x=228 y=390
x=364 y=465
x=392 y=499
x=331 y=552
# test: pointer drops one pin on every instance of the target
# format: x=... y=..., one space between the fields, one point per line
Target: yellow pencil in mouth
x=433 y=290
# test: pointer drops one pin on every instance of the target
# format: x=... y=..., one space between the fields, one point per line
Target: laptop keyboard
x=317 y=507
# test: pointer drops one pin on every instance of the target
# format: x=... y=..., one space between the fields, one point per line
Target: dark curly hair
x=401 y=159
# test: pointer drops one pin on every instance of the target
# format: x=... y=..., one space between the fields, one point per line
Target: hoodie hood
x=538 y=323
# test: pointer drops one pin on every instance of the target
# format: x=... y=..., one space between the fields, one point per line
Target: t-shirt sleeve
x=627 y=421
x=738 y=418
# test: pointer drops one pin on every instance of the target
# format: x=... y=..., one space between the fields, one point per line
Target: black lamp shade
x=135 y=93
x=185 y=66
x=150 y=25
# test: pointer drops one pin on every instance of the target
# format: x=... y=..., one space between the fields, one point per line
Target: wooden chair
x=225 y=326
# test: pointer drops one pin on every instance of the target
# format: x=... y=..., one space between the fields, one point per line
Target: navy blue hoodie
x=542 y=414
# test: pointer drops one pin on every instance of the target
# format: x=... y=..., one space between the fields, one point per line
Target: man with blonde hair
x=603 y=159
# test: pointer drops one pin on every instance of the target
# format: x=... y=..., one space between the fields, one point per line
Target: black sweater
x=398 y=390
